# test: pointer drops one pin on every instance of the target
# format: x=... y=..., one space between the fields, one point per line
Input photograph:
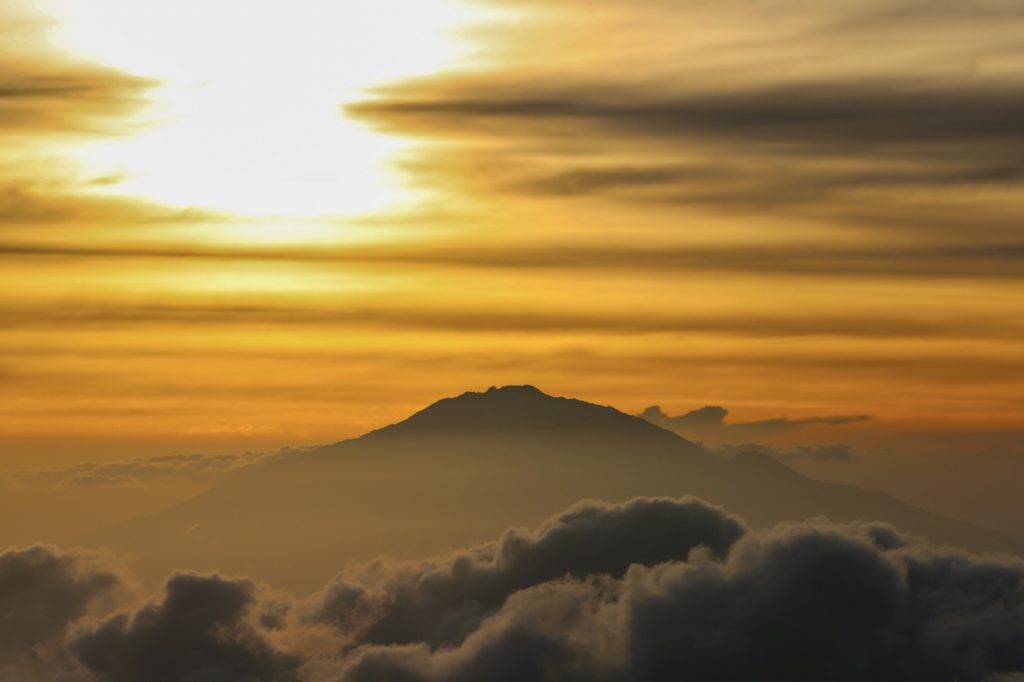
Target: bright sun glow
x=247 y=114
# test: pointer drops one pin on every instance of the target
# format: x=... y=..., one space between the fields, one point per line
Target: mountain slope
x=464 y=469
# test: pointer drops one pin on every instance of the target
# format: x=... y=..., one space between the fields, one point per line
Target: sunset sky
x=511 y=340
x=234 y=226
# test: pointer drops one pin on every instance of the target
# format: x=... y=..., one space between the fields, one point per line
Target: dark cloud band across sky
x=996 y=260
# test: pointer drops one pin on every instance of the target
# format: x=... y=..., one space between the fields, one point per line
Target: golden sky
x=231 y=225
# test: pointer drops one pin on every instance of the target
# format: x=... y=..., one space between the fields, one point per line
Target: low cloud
x=651 y=589
x=43 y=590
x=203 y=629
x=102 y=480
x=708 y=424
x=137 y=472
x=806 y=601
x=442 y=602
x=815 y=453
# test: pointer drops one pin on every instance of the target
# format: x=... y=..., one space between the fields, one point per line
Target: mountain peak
x=525 y=390
x=519 y=409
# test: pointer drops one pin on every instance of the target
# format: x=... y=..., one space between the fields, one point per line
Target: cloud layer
x=200 y=631
x=42 y=592
x=136 y=472
x=441 y=603
x=650 y=589
x=809 y=601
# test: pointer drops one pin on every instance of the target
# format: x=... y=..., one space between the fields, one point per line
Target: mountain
x=461 y=471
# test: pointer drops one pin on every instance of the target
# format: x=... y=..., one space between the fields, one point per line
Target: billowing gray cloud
x=202 y=630
x=708 y=424
x=56 y=624
x=810 y=601
x=42 y=592
x=647 y=590
x=441 y=603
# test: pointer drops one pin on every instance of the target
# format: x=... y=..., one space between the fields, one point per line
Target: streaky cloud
x=998 y=261
x=708 y=423
x=84 y=315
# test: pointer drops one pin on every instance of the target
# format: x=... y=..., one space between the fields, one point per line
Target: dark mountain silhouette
x=465 y=468
x=518 y=409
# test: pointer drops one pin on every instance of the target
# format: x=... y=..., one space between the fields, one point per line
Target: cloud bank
x=442 y=602
x=200 y=631
x=42 y=592
x=651 y=589
x=811 y=601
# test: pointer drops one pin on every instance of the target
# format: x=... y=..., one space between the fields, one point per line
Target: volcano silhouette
x=461 y=471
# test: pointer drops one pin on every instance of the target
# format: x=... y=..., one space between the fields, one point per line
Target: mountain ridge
x=465 y=468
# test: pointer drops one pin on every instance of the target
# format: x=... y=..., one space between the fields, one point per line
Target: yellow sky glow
x=245 y=116
x=306 y=219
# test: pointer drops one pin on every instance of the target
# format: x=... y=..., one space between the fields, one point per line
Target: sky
x=231 y=227
x=232 y=231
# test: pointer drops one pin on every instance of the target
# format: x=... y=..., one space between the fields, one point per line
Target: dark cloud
x=996 y=260
x=203 y=630
x=42 y=592
x=651 y=589
x=708 y=423
x=796 y=189
x=441 y=603
x=815 y=151
x=852 y=118
x=206 y=628
x=67 y=97
x=85 y=314
x=810 y=601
